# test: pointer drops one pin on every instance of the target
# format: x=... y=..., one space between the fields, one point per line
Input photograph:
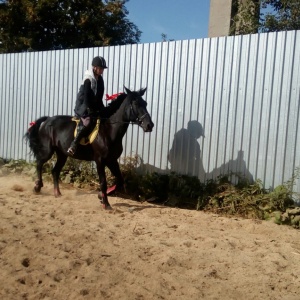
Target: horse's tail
x=32 y=135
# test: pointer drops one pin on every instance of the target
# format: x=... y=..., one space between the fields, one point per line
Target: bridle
x=133 y=117
x=138 y=120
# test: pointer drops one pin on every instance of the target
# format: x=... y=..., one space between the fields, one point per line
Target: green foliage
x=184 y=190
x=249 y=201
x=154 y=185
x=16 y=166
x=245 y=17
x=30 y=25
x=252 y=16
x=280 y=15
x=128 y=167
x=171 y=189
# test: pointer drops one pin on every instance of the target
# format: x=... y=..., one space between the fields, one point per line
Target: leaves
x=252 y=16
x=281 y=15
x=30 y=25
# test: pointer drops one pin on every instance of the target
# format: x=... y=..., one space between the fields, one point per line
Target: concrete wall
x=219 y=18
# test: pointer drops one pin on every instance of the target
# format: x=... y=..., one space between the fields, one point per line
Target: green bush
x=220 y=196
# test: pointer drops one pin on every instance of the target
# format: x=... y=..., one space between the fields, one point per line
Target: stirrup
x=71 y=151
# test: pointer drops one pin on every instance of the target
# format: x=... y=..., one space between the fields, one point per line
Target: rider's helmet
x=99 y=61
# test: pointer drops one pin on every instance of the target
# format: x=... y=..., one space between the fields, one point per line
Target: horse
x=49 y=135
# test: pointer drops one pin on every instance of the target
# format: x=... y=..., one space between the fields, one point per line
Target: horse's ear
x=127 y=90
x=142 y=91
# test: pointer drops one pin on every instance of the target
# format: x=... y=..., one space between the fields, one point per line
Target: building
x=226 y=17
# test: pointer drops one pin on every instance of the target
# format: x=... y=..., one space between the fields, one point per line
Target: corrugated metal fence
x=241 y=92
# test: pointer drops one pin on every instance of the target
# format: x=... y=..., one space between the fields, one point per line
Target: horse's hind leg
x=114 y=167
x=39 y=169
x=60 y=162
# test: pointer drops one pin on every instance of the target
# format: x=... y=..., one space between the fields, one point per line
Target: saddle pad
x=89 y=139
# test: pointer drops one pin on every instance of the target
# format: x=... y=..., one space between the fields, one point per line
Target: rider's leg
x=82 y=130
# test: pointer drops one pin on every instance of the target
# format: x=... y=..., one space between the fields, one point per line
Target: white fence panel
x=243 y=92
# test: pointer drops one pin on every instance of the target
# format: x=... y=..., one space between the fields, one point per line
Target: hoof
x=57 y=193
x=39 y=183
x=106 y=207
x=37 y=189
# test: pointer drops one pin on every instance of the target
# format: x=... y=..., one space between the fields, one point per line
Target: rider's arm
x=88 y=94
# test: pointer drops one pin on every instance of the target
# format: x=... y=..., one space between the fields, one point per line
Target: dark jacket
x=87 y=101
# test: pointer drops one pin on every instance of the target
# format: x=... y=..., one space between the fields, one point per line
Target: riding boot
x=82 y=131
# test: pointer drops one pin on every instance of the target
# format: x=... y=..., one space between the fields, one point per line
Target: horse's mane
x=114 y=105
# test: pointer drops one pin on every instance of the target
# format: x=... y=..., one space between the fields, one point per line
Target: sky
x=178 y=19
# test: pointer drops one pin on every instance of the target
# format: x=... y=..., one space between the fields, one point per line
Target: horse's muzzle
x=145 y=122
x=147 y=126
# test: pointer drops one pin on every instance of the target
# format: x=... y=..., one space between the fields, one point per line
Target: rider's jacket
x=89 y=97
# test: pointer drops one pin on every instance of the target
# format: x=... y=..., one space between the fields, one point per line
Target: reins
x=138 y=119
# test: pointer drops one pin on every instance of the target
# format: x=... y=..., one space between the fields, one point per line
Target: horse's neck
x=119 y=122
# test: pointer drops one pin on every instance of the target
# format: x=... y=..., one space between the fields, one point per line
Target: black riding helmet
x=99 y=61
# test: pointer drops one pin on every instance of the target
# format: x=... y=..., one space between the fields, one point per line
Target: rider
x=89 y=100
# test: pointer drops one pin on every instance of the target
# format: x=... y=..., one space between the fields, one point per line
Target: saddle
x=90 y=138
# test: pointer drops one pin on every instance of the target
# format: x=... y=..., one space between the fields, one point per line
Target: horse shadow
x=134 y=207
x=235 y=168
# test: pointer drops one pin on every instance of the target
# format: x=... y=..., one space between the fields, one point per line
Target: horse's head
x=138 y=110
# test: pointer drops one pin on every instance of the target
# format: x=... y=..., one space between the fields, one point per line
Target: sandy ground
x=70 y=248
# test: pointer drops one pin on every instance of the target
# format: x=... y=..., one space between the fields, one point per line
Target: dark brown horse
x=49 y=135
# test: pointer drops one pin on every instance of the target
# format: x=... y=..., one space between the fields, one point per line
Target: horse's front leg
x=115 y=170
x=39 y=182
x=103 y=185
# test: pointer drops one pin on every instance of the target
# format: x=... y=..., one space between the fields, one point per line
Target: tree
x=36 y=25
x=252 y=16
x=244 y=17
x=279 y=15
x=164 y=38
